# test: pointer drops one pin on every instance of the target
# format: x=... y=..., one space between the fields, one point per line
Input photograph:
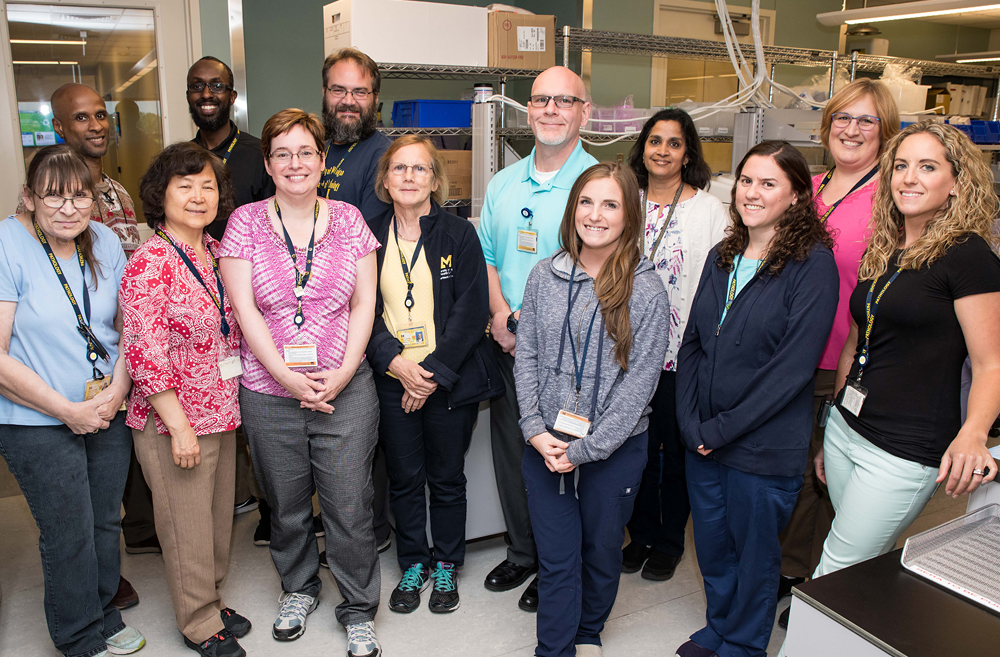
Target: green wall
x=215 y=29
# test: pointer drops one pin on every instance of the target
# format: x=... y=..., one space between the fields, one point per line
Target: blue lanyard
x=858 y=185
x=224 y=327
x=870 y=310
x=578 y=367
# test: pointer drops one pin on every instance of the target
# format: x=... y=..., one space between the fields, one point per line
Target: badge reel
x=527 y=239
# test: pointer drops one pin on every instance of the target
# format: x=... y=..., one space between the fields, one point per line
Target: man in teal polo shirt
x=518 y=227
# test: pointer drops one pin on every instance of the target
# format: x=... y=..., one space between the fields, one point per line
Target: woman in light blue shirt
x=61 y=389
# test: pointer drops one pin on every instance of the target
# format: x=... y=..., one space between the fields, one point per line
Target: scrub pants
x=737 y=517
x=579 y=525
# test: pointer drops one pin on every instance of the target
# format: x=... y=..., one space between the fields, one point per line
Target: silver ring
x=978 y=471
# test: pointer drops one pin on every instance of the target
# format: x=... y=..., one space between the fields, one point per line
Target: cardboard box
x=405 y=32
x=522 y=41
x=458 y=168
x=939 y=97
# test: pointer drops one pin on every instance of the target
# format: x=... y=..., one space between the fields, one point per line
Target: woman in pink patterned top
x=302 y=274
x=181 y=344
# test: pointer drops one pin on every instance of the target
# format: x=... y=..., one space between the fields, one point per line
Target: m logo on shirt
x=446 y=269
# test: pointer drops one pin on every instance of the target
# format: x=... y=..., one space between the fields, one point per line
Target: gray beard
x=344 y=132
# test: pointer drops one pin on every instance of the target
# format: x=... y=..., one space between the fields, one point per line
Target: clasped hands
x=417 y=383
x=553 y=451
x=315 y=390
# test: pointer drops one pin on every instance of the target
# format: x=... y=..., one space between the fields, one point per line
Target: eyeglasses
x=843 y=119
x=419 y=170
x=340 y=92
x=305 y=155
x=214 y=87
x=56 y=202
x=562 y=102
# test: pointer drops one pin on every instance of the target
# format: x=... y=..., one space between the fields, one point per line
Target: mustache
x=348 y=108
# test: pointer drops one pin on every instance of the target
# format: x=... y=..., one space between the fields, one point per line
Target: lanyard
x=301 y=278
x=858 y=185
x=406 y=270
x=107 y=199
x=663 y=229
x=232 y=145
x=194 y=270
x=870 y=310
x=94 y=347
x=327 y=154
x=731 y=295
x=578 y=367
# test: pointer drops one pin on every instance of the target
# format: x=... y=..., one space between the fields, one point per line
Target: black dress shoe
x=529 y=599
x=660 y=566
x=634 y=555
x=783 y=619
x=507 y=576
x=785 y=585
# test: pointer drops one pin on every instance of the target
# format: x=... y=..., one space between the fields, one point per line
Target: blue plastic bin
x=432 y=114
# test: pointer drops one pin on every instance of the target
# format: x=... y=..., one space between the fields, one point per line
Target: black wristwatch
x=512 y=323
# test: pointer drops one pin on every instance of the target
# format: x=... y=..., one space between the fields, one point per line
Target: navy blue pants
x=73 y=486
x=579 y=526
x=662 y=507
x=426 y=448
x=737 y=517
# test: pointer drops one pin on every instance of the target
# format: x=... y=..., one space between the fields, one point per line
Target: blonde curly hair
x=972 y=210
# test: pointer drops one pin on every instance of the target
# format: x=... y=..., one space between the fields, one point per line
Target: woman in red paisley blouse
x=182 y=349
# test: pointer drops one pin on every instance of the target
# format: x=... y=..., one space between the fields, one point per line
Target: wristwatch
x=512 y=323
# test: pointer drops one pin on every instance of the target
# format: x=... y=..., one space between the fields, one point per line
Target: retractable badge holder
x=527 y=239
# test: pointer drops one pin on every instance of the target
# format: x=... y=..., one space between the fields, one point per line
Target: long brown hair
x=797 y=230
x=60 y=170
x=614 y=282
x=973 y=208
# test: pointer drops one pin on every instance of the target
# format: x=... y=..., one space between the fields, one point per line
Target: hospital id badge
x=414 y=336
x=301 y=355
x=95 y=386
x=527 y=240
x=230 y=368
x=572 y=424
x=854 y=397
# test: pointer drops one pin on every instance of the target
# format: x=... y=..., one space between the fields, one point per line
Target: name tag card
x=230 y=368
x=527 y=241
x=95 y=386
x=301 y=355
x=854 y=397
x=414 y=336
x=573 y=424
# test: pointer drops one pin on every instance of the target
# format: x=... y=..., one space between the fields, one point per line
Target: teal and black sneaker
x=406 y=596
x=444 y=595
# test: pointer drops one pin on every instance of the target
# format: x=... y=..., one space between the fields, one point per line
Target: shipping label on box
x=521 y=41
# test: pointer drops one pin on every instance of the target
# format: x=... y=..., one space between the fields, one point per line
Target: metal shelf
x=426 y=132
x=457 y=203
x=876 y=63
x=433 y=72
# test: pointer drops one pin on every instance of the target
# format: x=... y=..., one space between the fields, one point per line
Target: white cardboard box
x=406 y=32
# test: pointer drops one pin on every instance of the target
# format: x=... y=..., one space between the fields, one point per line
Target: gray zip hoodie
x=546 y=384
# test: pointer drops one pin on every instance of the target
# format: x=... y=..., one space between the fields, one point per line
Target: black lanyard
x=95 y=349
x=336 y=168
x=301 y=278
x=858 y=185
x=663 y=229
x=406 y=270
x=107 y=200
x=232 y=145
x=731 y=295
x=578 y=367
x=194 y=270
x=870 y=310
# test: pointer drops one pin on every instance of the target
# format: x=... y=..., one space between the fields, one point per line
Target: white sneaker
x=588 y=650
x=361 y=640
x=291 y=621
x=126 y=642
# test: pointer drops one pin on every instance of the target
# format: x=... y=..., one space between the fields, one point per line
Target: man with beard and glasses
x=518 y=227
x=351 y=84
x=210 y=97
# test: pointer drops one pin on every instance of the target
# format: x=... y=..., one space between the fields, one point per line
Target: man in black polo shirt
x=351 y=84
x=210 y=97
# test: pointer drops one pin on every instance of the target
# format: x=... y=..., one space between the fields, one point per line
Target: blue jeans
x=579 y=524
x=737 y=517
x=73 y=485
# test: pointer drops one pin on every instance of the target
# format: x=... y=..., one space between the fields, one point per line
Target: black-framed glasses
x=562 y=102
x=340 y=92
x=305 y=155
x=214 y=87
x=56 y=202
x=843 y=119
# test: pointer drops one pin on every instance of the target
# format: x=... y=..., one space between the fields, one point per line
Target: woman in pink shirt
x=857 y=123
x=302 y=274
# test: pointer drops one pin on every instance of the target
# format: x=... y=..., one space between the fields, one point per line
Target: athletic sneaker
x=444 y=595
x=291 y=621
x=246 y=506
x=406 y=596
x=237 y=625
x=223 y=644
x=126 y=641
x=361 y=640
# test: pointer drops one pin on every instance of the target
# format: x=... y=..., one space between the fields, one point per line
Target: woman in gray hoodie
x=591 y=343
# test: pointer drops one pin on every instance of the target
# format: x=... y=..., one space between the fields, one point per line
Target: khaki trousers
x=194 y=521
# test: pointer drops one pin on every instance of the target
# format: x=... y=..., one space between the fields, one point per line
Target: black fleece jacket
x=462 y=361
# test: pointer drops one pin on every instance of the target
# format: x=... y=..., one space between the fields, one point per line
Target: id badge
x=854 y=397
x=301 y=355
x=95 y=386
x=527 y=240
x=230 y=368
x=572 y=424
x=414 y=336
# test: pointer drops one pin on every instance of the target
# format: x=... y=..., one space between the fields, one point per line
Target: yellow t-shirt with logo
x=419 y=321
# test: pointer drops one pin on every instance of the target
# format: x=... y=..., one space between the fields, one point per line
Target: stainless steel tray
x=962 y=555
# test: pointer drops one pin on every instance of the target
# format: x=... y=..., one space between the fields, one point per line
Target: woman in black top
x=928 y=295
